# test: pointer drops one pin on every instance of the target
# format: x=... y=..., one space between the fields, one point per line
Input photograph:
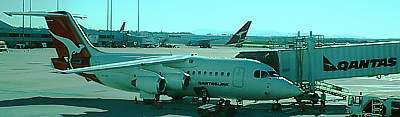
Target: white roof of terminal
x=362 y=44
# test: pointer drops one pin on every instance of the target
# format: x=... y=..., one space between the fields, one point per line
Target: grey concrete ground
x=29 y=88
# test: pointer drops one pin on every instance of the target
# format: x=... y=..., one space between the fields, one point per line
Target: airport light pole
x=111 y=33
x=138 y=16
x=30 y=10
x=109 y=18
x=111 y=15
x=30 y=17
x=58 y=7
x=107 y=13
x=23 y=16
x=23 y=19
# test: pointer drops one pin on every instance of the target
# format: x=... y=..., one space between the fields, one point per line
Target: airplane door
x=238 y=77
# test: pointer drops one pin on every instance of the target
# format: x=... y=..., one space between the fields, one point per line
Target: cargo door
x=238 y=75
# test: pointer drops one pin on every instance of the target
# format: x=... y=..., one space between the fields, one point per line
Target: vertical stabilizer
x=241 y=34
x=73 y=47
x=122 y=27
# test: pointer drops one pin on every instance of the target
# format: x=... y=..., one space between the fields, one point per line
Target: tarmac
x=30 y=88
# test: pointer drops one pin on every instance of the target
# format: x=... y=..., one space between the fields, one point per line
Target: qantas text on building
x=359 y=64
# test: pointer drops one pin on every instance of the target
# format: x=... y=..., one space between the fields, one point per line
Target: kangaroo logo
x=71 y=47
x=240 y=34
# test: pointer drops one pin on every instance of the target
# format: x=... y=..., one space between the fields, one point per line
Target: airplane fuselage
x=232 y=78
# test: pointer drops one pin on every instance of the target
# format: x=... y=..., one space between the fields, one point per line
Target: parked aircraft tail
x=240 y=35
x=122 y=27
x=73 y=47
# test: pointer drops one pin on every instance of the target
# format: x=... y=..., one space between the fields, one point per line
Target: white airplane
x=153 y=75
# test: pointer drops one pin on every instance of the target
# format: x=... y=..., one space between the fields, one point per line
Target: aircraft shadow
x=120 y=107
x=114 y=107
x=293 y=110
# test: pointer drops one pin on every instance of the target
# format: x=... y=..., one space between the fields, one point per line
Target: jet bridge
x=310 y=62
x=315 y=63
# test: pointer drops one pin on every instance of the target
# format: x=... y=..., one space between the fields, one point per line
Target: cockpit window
x=260 y=74
x=273 y=73
x=257 y=74
x=264 y=74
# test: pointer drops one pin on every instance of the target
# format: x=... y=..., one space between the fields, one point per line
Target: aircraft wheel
x=276 y=107
x=205 y=96
x=314 y=98
x=298 y=100
x=148 y=101
x=302 y=107
x=204 y=100
x=177 y=97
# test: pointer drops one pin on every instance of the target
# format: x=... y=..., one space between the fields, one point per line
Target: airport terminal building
x=18 y=37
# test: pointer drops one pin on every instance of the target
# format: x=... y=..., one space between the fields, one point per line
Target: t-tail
x=240 y=35
x=72 y=46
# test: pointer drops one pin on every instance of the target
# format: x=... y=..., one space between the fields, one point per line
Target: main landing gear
x=276 y=106
x=148 y=101
x=203 y=93
x=177 y=98
x=155 y=100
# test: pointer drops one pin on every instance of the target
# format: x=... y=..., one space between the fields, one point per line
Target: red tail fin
x=73 y=48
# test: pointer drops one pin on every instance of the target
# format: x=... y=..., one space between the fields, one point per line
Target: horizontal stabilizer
x=34 y=13
x=41 y=14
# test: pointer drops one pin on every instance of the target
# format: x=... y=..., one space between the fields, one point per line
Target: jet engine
x=175 y=78
x=177 y=81
x=150 y=84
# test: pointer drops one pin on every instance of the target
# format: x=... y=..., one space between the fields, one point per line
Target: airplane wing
x=157 y=60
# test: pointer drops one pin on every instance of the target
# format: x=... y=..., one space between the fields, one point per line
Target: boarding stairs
x=331 y=89
x=377 y=108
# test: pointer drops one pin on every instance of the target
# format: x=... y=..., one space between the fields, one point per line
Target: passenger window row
x=209 y=73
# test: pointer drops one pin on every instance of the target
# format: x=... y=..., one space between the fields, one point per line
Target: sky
x=360 y=18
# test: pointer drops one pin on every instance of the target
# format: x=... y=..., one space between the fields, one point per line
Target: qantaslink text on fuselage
x=214 y=83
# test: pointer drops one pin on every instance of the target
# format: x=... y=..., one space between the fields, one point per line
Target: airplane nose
x=295 y=91
x=292 y=89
